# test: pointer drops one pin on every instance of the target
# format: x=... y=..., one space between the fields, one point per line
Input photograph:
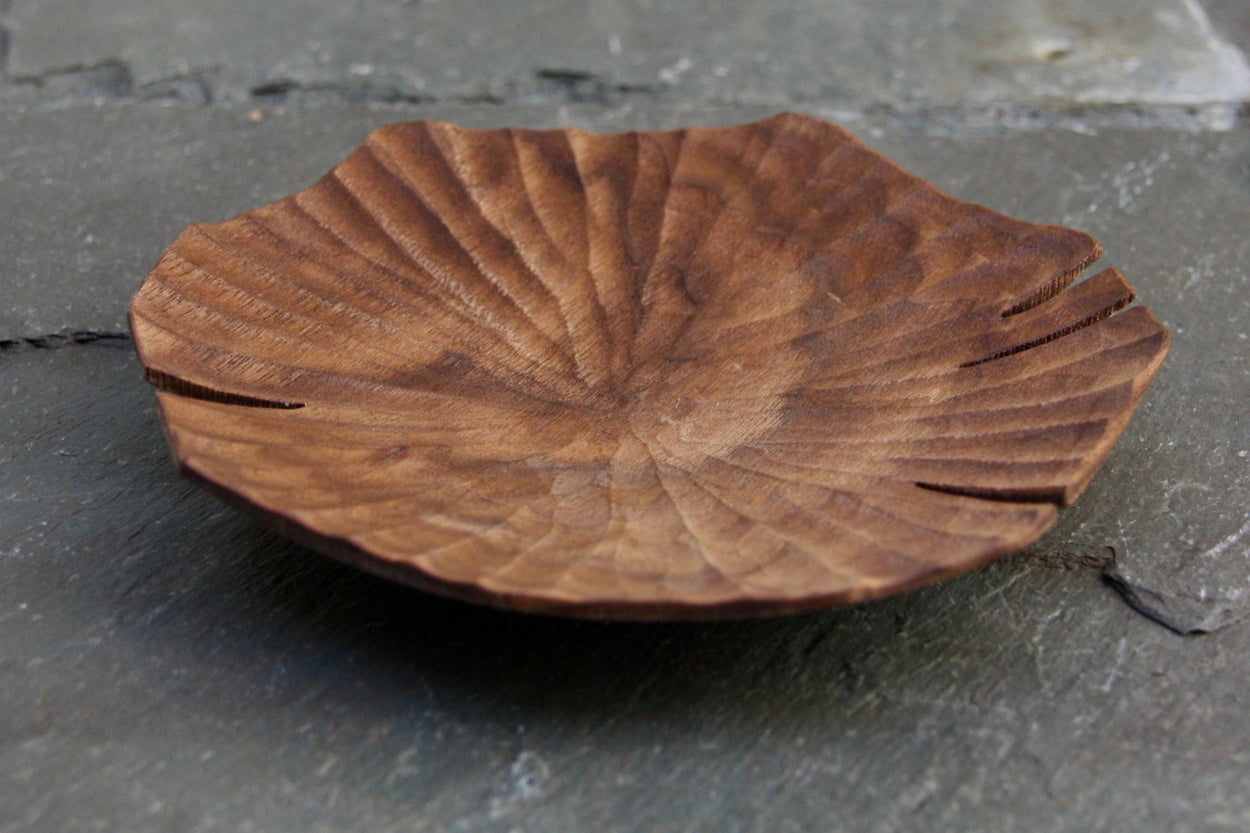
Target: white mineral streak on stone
x=1228 y=543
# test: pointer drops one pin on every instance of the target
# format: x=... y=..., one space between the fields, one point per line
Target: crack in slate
x=1154 y=606
x=194 y=86
x=104 y=79
x=1072 y=559
x=66 y=338
x=114 y=79
x=577 y=86
x=1178 y=612
x=281 y=89
x=552 y=85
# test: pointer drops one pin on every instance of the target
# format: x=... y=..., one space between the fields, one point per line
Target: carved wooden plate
x=700 y=373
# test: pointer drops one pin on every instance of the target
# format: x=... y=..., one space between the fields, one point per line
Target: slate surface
x=165 y=664
x=894 y=52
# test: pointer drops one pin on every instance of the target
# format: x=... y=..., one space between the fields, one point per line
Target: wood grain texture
x=700 y=373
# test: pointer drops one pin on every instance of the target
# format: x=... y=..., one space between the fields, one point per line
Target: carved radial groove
x=709 y=372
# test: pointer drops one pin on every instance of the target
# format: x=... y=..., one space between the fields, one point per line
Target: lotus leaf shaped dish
x=700 y=373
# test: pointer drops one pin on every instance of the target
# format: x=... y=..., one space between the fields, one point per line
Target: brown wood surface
x=709 y=372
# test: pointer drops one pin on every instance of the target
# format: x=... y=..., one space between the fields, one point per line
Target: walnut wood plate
x=701 y=373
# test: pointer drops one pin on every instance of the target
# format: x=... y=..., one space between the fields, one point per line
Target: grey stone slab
x=167 y=665
x=894 y=53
